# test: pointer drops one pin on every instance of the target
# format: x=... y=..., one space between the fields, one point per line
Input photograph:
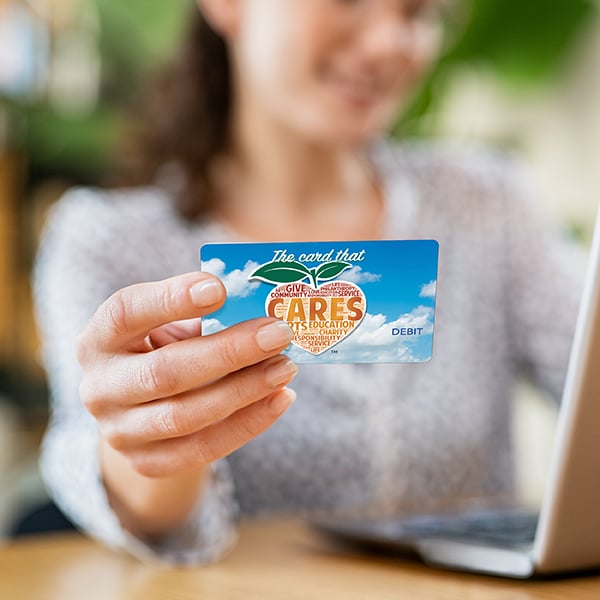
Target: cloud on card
x=357 y=275
x=371 y=340
x=236 y=282
x=428 y=289
x=375 y=330
x=211 y=326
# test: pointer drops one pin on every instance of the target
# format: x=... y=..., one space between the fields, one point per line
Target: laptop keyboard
x=499 y=528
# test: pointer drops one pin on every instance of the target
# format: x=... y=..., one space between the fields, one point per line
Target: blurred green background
x=72 y=133
x=522 y=74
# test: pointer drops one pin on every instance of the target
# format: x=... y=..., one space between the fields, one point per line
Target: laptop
x=564 y=536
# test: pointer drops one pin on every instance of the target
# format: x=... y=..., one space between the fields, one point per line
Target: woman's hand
x=169 y=401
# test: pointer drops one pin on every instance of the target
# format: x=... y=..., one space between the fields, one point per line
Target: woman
x=275 y=133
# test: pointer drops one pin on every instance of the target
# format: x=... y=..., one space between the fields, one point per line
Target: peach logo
x=320 y=315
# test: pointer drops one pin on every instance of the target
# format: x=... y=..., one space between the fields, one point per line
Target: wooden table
x=273 y=560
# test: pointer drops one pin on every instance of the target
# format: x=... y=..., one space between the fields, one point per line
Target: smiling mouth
x=362 y=92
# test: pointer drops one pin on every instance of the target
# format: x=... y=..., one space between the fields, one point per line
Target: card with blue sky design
x=346 y=302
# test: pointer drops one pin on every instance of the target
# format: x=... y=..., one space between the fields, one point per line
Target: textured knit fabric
x=360 y=439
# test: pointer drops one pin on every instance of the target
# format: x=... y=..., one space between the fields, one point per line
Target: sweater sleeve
x=545 y=272
x=83 y=258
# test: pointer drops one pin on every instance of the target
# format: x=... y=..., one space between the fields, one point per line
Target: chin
x=347 y=123
x=357 y=138
x=346 y=132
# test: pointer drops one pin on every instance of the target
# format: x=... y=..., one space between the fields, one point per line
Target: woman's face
x=334 y=71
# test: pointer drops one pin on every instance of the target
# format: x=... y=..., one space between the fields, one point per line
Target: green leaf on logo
x=281 y=272
x=331 y=270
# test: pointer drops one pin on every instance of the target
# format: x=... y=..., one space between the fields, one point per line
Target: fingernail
x=280 y=401
x=274 y=335
x=280 y=372
x=205 y=293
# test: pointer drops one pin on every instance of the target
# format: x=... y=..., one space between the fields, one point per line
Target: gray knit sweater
x=360 y=439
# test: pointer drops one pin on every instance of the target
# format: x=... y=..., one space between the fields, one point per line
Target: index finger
x=132 y=312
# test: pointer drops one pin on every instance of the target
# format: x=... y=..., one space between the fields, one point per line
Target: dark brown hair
x=184 y=122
